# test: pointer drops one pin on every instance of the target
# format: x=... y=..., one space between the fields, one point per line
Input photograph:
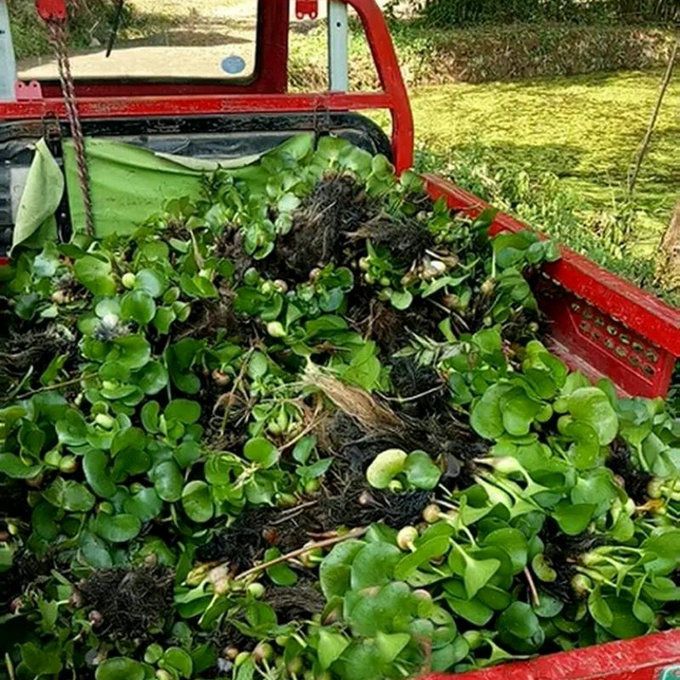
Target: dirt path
x=193 y=40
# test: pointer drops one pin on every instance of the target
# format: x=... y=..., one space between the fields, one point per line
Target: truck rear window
x=158 y=40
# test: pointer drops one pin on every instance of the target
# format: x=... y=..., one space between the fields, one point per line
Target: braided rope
x=59 y=40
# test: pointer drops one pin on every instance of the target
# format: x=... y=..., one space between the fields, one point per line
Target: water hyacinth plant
x=306 y=428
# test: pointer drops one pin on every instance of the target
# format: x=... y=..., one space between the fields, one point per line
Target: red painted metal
x=133 y=98
x=51 y=10
x=638 y=659
x=306 y=8
x=599 y=323
x=28 y=91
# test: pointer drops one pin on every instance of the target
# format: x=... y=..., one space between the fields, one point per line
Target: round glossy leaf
x=95 y=275
x=197 y=501
x=118 y=528
x=262 y=451
x=179 y=660
x=591 y=405
x=421 y=472
x=95 y=464
x=138 y=306
x=374 y=565
x=519 y=628
x=95 y=551
x=183 y=411
x=145 y=504
x=151 y=282
x=168 y=481
x=120 y=668
x=513 y=542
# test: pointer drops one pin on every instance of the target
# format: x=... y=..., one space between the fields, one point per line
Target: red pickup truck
x=598 y=323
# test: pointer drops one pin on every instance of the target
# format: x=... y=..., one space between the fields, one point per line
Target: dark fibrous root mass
x=128 y=604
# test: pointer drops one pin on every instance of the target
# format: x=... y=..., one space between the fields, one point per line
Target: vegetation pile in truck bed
x=306 y=428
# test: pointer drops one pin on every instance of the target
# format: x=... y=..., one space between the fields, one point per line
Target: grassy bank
x=557 y=151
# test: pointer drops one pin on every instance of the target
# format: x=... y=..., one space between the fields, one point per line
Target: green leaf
x=149 y=415
x=487 y=417
x=138 y=305
x=573 y=518
x=519 y=629
x=374 y=565
x=385 y=467
x=95 y=275
x=331 y=646
x=179 y=660
x=474 y=611
x=165 y=316
x=421 y=472
x=117 y=528
x=592 y=406
x=132 y=351
x=599 y=609
x=280 y=574
x=197 y=501
x=69 y=495
x=95 y=551
x=168 y=481
x=183 y=411
x=401 y=299
x=364 y=369
x=374 y=610
x=392 y=645
x=152 y=378
x=518 y=411
x=512 y=542
x=335 y=570
x=151 y=282
x=262 y=451
x=303 y=449
x=15 y=468
x=95 y=464
x=477 y=573
x=43 y=659
x=120 y=668
x=435 y=547
x=144 y=504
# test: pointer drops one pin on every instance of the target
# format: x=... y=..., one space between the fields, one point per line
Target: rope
x=58 y=39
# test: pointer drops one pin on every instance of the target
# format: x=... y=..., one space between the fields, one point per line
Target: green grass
x=584 y=129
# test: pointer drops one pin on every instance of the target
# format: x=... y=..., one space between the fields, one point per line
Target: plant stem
x=535 y=597
x=56 y=386
x=634 y=173
x=354 y=533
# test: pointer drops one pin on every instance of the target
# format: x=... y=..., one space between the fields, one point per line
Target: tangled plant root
x=129 y=604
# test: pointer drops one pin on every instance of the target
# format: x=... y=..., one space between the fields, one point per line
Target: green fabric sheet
x=128 y=185
x=40 y=199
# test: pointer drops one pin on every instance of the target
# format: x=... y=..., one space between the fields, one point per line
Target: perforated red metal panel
x=598 y=323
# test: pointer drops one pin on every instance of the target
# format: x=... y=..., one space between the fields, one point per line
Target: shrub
x=469 y=12
x=88 y=20
x=489 y=53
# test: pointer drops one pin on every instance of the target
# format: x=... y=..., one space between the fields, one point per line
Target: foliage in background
x=431 y=56
x=88 y=20
x=541 y=200
x=468 y=12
